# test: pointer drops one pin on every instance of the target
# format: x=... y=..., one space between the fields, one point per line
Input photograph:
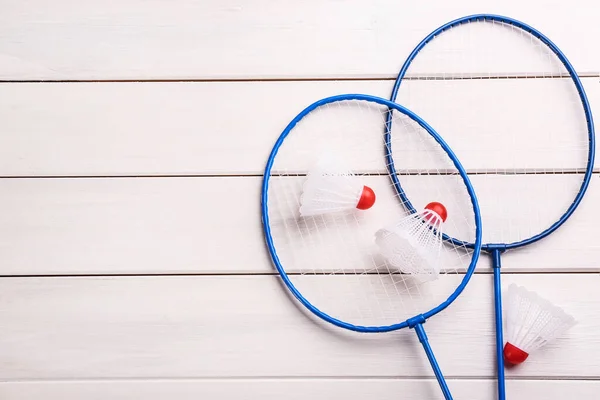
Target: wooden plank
x=212 y=225
x=135 y=39
x=111 y=129
x=132 y=225
x=293 y=389
x=167 y=128
x=241 y=326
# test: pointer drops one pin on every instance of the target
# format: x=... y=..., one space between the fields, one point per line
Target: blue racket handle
x=499 y=333
x=434 y=364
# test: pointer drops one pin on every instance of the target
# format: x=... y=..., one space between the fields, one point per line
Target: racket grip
x=434 y=364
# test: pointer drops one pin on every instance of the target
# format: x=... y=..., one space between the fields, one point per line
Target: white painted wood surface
x=189 y=128
x=122 y=180
x=242 y=326
x=136 y=39
x=293 y=389
x=189 y=225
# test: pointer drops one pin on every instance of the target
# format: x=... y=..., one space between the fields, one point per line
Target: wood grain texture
x=166 y=128
x=293 y=389
x=225 y=326
x=209 y=225
x=127 y=178
x=112 y=129
x=135 y=39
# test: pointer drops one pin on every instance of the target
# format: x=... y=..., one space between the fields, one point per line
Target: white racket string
x=507 y=106
x=331 y=257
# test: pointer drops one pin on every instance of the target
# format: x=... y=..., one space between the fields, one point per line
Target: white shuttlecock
x=413 y=244
x=331 y=188
x=531 y=322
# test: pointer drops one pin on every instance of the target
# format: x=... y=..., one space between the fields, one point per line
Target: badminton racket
x=517 y=115
x=323 y=244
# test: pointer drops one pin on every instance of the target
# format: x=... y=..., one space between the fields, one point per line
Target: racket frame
x=496 y=249
x=417 y=321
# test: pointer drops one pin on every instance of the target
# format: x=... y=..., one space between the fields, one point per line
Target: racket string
x=517 y=128
x=350 y=279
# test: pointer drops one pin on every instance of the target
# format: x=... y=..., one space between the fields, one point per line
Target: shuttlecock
x=413 y=244
x=331 y=188
x=531 y=322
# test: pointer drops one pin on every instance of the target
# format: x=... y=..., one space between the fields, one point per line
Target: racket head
x=469 y=258
x=553 y=64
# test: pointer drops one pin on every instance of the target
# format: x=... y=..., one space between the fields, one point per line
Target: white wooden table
x=132 y=138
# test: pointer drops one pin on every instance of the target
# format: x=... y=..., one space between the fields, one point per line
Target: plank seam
x=275 y=274
x=592 y=74
x=257 y=175
x=299 y=378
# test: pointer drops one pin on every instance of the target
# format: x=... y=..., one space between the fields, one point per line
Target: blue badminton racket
x=517 y=115
x=320 y=227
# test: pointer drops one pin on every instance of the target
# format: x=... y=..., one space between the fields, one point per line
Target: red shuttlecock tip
x=514 y=355
x=438 y=208
x=367 y=199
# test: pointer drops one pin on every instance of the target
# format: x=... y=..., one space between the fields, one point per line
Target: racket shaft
x=498 y=316
x=434 y=364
